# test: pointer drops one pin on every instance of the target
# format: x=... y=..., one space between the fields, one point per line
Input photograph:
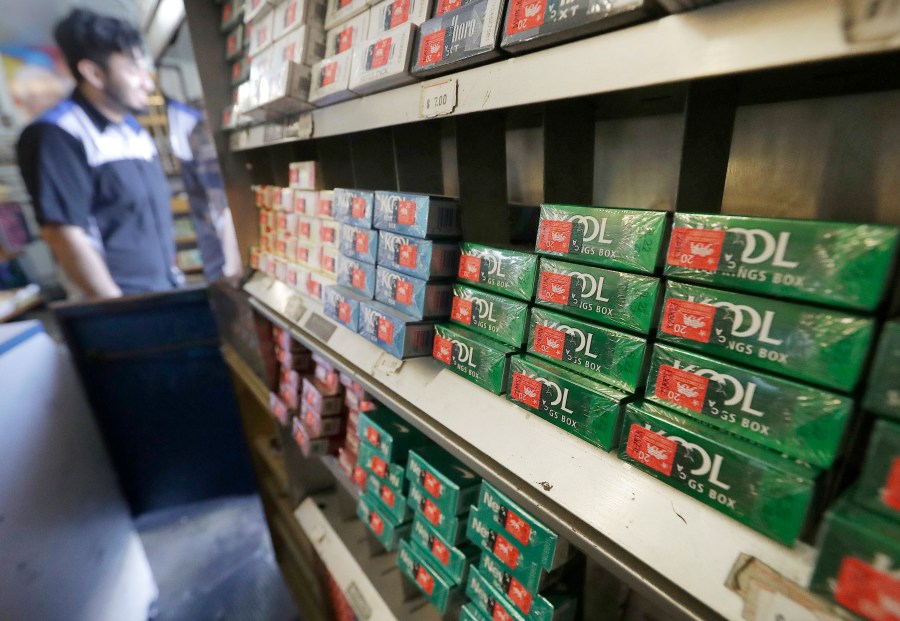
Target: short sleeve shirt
x=84 y=170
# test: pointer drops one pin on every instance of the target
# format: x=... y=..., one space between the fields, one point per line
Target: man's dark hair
x=87 y=35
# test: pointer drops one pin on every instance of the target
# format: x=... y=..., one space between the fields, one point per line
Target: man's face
x=128 y=81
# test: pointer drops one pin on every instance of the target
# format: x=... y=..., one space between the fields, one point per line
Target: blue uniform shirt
x=82 y=169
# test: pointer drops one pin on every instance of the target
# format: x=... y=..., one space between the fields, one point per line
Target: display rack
x=550 y=121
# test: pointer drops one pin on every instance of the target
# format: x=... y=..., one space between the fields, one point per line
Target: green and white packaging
x=510 y=272
x=439 y=553
x=373 y=462
x=859 y=557
x=489 y=600
x=470 y=612
x=491 y=540
x=451 y=485
x=613 y=298
x=825 y=347
x=388 y=433
x=379 y=522
x=477 y=358
x=392 y=503
x=755 y=486
x=801 y=421
x=413 y=562
x=628 y=239
x=878 y=487
x=448 y=525
x=496 y=316
x=587 y=409
x=614 y=357
x=413 y=296
x=883 y=390
x=534 y=607
x=833 y=263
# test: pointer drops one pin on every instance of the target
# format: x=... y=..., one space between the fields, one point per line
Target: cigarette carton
x=304 y=46
x=416 y=215
x=587 y=409
x=234 y=44
x=801 y=421
x=393 y=13
x=305 y=202
x=448 y=525
x=342 y=306
x=317 y=398
x=354 y=207
x=458 y=39
x=359 y=243
x=379 y=522
x=824 y=347
x=329 y=234
x=383 y=62
x=750 y=484
x=374 y=463
x=412 y=296
x=339 y=11
x=489 y=600
x=232 y=13
x=509 y=272
x=310 y=446
x=533 y=606
x=831 y=263
x=343 y=36
x=330 y=79
x=440 y=553
x=858 y=560
x=328 y=258
x=479 y=359
x=878 y=487
x=357 y=276
x=325 y=206
x=617 y=299
x=421 y=258
x=469 y=612
x=445 y=6
x=449 y=483
x=293 y=14
x=398 y=334
x=308 y=229
x=629 y=239
x=319 y=427
x=302 y=176
x=883 y=390
x=391 y=436
x=614 y=357
x=261 y=33
x=531 y=24
x=440 y=591
x=392 y=502
x=496 y=316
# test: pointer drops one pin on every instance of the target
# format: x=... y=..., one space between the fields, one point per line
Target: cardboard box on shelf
x=390 y=14
x=477 y=358
x=510 y=272
x=496 y=316
x=347 y=34
x=354 y=207
x=357 y=276
x=396 y=333
x=421 y=258
x=416 y=215
x=331 y=80
x=383 y=62
x=458 y=39
x=413 y=296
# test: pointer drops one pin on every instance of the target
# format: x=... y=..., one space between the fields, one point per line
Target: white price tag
x=438 y=99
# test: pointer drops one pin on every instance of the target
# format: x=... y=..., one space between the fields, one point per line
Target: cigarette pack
x=396 y=333
x=359 y=243
x=342 y=306
x=416 y=215
x=339 y=11
x=331 y=79
x=302 y=176
x=304 y=46
x=450 y=484
x=477 y=358
x=458 y=39
x=452 y=561
x=438 y=589
x=496 y=316
x=393 y=13
x=533 y=606
x=391 y=436
x=392 y=502
x=347 y=34
x=383 y=62
x=883 y=390
x=509 y=272
x=450 y=526
x=413 y=296
x=379 y=522
x=358 y=276
x=354 y=207
x=421 y=258
x=292 y=14
x=878 y=487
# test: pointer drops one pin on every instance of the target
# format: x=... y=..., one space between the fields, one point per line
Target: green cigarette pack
x=628 y=239
x=878 y=487
x=587 y=409
x=859 y=557
x=537 y=543
x=510 y=272
x=450 y=526
x=496 y=316
x=883 y=391
x=617 y=299
x=452 y=561
x=757 y=487
x=801 y=421
x=470 y=613
x=440 y=591
x=491 y=540
x=489 y=600
x=373 y=462
x=533 y=606
x=479 y=359
x=614 y=357
x=380 y=523
x=834 y=263
x=389 y=434
x=451 y=485
x=392 y=502
x=825 y=347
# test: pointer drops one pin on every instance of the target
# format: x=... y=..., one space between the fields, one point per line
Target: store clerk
x=93 y=172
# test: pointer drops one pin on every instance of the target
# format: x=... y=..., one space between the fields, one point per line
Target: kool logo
x=591 y=287
x=769 y=248
x=584 y=341
x=747 y=322
x=739 y=393
x=594 y=230
x=494 y=265
x=560 y=395
x=484 y=310
x=464 y=354
x=710 y=467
